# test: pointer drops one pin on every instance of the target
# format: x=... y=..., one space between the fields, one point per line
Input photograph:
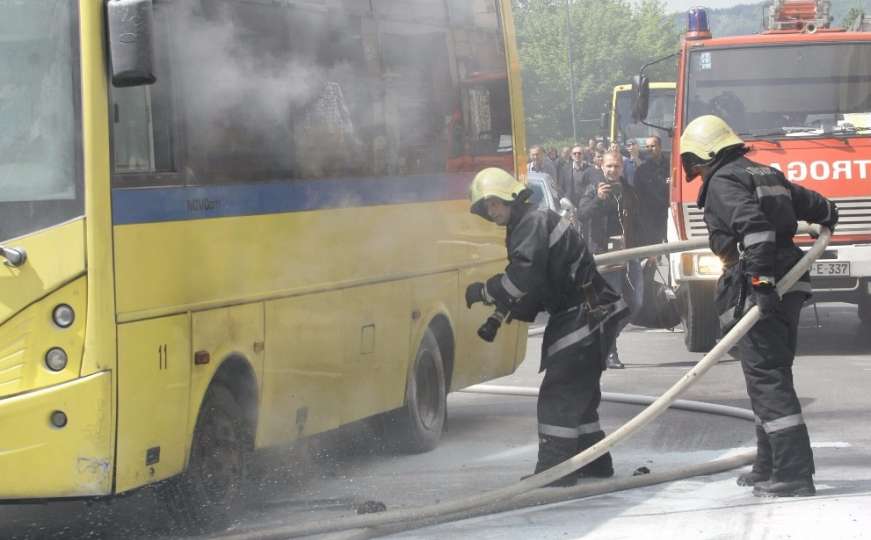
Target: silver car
x=545 y=195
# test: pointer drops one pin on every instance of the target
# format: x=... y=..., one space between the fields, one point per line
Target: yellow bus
x=662 y=98
x=262 y=245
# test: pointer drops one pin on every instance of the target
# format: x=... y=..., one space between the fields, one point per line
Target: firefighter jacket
x=752 y=211
x=550 y=268
x=611 y=224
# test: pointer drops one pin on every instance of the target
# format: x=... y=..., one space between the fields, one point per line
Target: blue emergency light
x=697 y=24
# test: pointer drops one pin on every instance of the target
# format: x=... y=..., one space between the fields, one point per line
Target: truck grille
x=695 y=221
x=854 y=217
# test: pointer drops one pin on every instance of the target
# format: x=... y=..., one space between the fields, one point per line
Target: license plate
x=830 y=269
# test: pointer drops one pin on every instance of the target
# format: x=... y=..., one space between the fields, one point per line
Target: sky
x=683 y=5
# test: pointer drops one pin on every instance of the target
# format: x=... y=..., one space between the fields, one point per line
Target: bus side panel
x=376 y=347
x=477 y=360
x=432 y=296
x=154 y=373
x=236 y=331
x=304 y=371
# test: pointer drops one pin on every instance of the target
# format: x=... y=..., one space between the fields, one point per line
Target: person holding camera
x=550 y=269
x=610 y=209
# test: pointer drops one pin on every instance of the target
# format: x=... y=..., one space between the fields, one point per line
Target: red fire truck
x=799 y=94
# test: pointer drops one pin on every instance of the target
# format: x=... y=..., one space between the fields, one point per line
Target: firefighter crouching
x=751 y=211
x=550 y=268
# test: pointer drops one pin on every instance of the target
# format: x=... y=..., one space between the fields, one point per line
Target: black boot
x=613 y=361
x=602 y=466
x=762 y=466
x=793 y=465
x=551 y=452
x=800 y=487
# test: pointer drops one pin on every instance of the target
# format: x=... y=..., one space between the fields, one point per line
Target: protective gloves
x=829 y=223
x=476 y=292
x=767 y=299
x=833 y=217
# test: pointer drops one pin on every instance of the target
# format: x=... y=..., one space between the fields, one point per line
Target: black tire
x=417 y=427
x=701 y=321
x=209 y=494
x=865 y=311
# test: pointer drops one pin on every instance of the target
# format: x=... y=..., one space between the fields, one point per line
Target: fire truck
x=799 y=94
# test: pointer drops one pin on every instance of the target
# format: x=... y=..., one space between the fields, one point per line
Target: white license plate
x=830 y=269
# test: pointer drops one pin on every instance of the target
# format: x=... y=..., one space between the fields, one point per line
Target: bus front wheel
x=417 y=427
x=208 y=495
x=701 y=322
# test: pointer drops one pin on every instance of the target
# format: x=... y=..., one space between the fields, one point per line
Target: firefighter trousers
x=568 y=412
x=767 y=352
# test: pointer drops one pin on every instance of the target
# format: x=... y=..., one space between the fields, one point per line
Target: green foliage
x=610 y=39
x=852 y=16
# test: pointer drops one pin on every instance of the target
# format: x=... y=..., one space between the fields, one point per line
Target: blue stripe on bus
x=180 y=203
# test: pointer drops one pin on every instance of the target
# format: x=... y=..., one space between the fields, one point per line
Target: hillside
x=747 y=18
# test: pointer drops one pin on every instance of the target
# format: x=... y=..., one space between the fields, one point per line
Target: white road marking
x=831 y=445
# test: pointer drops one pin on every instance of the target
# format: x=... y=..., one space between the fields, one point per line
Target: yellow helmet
x=703 y=139
x=494 y=182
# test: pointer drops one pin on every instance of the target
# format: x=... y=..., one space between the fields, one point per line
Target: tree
x=854 y=16
x=611 y=40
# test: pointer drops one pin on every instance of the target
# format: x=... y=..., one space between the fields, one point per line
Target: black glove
x=767 y=299
x=829 y=223
x=475 y=293
x=833 y=217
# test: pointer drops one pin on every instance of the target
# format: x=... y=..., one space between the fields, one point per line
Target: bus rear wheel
x=209 y=494
x=417 y=427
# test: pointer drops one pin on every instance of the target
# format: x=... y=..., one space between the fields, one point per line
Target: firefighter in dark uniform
x=751 y=211
x=550 y=268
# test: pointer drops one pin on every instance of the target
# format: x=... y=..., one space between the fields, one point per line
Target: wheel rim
x=427 y=391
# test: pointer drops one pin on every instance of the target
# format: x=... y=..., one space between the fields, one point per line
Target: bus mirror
x=641 y=98
x=605 y=121
x=130 y=42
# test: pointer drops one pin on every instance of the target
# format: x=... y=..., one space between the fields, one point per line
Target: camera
x=616 y=190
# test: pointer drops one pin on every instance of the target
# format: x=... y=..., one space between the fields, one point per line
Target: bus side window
x=419 y=98
x=141 y=135
x=141 y=120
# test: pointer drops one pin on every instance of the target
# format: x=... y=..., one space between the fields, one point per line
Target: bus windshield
x=784 y=91
x=660 y=113
x=39 y=169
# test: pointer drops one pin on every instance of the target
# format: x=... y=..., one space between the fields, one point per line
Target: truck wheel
x=865 y=311
x=418 y=425
x=208 y=495
x=701 y=322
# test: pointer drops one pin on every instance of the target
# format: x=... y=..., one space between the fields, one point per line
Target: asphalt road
x=491 y=442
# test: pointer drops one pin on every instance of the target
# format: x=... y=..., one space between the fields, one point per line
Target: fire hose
x=472 y=505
